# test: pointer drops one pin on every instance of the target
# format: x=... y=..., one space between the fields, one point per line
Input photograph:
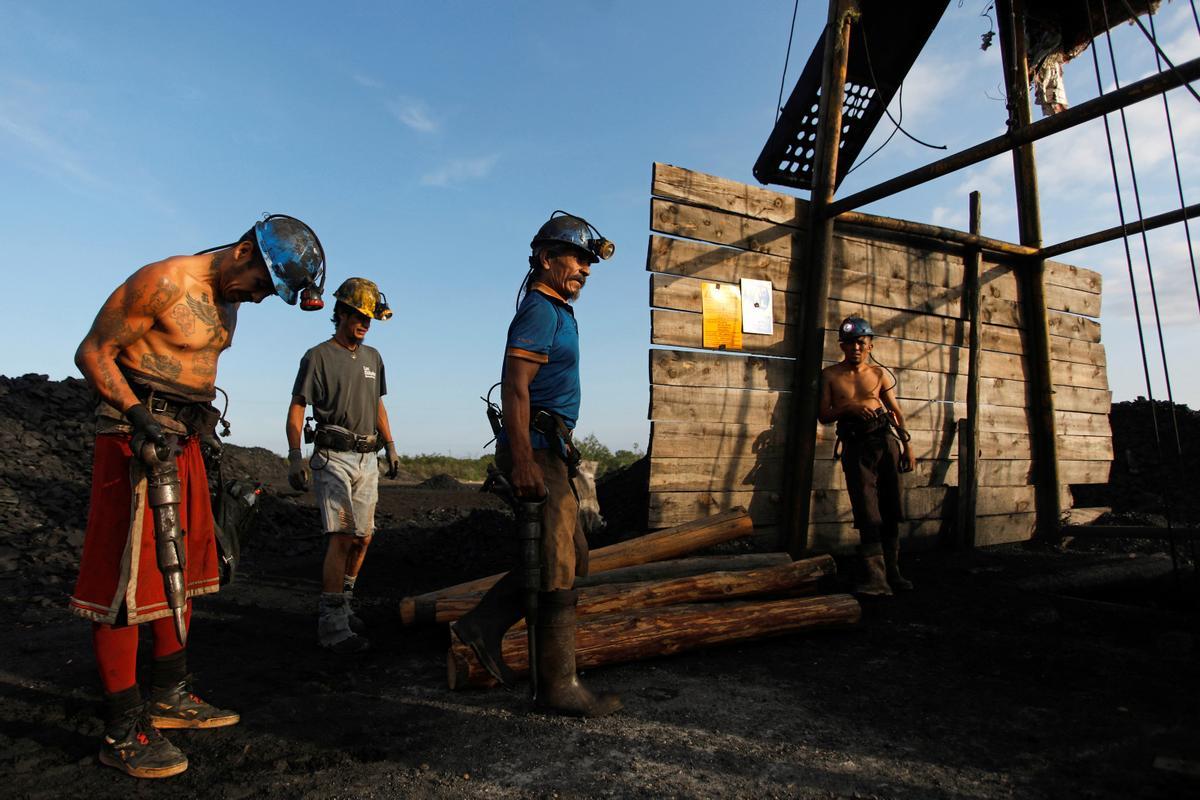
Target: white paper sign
x=757 y=313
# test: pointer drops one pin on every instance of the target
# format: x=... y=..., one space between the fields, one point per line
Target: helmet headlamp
x=577 y=231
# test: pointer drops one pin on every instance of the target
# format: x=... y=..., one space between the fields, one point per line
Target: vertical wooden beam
x=817 y=260
x=968 y=429
x=1010 y=17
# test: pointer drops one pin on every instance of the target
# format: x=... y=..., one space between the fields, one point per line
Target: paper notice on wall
x=722 y=306
x=758 y=315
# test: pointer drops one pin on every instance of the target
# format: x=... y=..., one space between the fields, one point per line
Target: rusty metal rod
x=1117 y=231
x=1084 y=112
x=920 y=229
x=806 y=375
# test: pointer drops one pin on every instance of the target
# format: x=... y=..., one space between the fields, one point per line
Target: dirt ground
x=1017 y=671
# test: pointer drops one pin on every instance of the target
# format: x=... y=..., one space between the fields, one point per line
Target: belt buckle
x=157 y=406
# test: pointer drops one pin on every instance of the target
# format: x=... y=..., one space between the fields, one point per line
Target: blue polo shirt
x=544 y=331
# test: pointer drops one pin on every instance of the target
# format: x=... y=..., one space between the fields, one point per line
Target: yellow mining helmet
x=364 y=297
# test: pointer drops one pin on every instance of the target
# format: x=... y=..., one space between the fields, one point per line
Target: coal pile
x=46 y=443
x=1148 y=483
x=444 y=483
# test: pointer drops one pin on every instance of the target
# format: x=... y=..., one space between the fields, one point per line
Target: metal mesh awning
x=895 y=33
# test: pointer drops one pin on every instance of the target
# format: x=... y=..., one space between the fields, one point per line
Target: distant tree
x=592 y=449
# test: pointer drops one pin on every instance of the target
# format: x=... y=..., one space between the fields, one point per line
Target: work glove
x=145 y=429
x=393 y=460
x=298 y=472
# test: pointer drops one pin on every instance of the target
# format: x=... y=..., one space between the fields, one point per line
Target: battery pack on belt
x=331 y=437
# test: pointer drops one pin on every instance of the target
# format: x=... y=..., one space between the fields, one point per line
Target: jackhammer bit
x=163 y=494
x=529 y=538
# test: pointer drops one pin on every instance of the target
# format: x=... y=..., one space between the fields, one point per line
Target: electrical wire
x=786 y=58
x=875 y=82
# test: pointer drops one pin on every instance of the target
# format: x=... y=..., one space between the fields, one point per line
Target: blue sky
x=425 y=142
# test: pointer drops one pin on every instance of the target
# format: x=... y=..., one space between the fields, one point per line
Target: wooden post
x=968 y=429
x=806 y=381
x=1010 y=17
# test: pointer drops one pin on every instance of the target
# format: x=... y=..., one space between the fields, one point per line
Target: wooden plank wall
x=720 y=419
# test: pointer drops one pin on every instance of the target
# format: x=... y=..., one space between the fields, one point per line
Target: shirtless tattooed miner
x=151 y=357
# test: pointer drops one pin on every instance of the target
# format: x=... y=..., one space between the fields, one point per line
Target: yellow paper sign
x=722 y=307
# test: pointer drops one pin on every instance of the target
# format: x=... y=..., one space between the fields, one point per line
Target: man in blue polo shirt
x=540 y=393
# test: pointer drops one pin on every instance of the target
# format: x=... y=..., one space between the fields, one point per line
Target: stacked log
x=650 y=632
x=657 y=546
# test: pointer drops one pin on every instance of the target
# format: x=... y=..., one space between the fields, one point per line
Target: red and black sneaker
x=140 y=750
x=179 y=707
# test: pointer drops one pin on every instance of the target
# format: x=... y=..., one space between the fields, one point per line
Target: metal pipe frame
x=1117 y=231
x=1095 y=108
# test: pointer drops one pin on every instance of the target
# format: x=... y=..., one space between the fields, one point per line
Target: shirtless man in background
x=151 y=356
x=860 y=397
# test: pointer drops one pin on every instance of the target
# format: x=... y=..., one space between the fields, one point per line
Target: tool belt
x=181 y=417
x=858 y=429
x=553 y=427
x=338 y=439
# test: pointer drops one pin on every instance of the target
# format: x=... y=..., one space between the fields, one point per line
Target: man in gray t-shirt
x=343 y=380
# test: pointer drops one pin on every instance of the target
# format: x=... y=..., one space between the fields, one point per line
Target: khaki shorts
x=347 y=489
x=564 y=545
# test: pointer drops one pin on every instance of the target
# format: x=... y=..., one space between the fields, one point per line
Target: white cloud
x=366 y=80
x=413 y=114
x=460 y=170
x=50 y=154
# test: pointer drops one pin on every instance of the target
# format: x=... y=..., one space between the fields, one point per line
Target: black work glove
x=298 y=472
x=145 y=429
x=393 y=460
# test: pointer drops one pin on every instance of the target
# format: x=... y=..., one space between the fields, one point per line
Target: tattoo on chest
x=163 y=293
x=210 y=316
x=185 y=319
x=164 y=366
x=204 y=362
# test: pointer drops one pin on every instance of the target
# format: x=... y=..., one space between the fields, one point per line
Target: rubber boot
x=891 y=560
x=483 y=627
x=333 y=626
x=357 y=626
x=132 y=745
x=559 y=689
x=872 y=581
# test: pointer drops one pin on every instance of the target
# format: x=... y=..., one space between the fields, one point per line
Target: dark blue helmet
x=852 y=328
x=293 y=255
x=573 y=230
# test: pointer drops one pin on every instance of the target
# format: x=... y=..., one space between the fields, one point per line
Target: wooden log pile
x=641 y=602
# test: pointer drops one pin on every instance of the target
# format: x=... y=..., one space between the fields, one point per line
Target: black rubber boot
x=559 y=689
x=872 y=581
x=483 y=627
x=891 y=560
x=132 y=745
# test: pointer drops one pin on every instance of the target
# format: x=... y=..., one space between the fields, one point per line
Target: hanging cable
x=862 y=29
x=786 y=58
x=1157 y=50
x=1137 y=197
x=1187 y=233
x=1137 y=313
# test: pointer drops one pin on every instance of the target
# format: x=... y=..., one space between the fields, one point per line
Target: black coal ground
x=970 y=687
